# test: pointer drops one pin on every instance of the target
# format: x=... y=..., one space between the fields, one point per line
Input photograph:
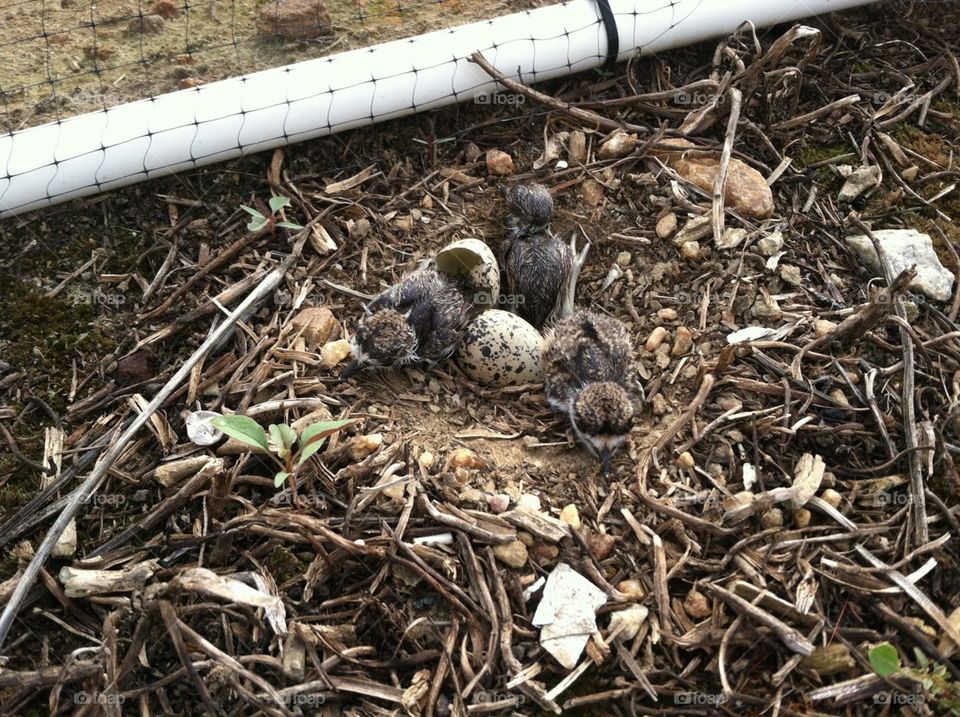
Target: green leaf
x=279 y=478
x=884 y=659
x=314 y=435
x=257 y=223
x=243 y=428
x=282 y=438
x=277 y=203
x=289 y=225
x=251 y=211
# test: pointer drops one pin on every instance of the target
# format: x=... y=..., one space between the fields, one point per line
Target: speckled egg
x=500 y=349
x=473 y=260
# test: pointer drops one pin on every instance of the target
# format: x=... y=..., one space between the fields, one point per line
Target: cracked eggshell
x=475 y=261
x=500 y=349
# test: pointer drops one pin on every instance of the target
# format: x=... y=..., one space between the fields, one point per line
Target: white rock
x=904 y=248
x=770 y=244
x=567 y=614
x=627 y=622
x=859 y=181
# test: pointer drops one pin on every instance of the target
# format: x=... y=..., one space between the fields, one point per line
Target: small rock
x=910 y=173
x=840 y=397
x=316 y=325
x=137 y=367
x=694 y=230
x=499 y=163
x=591 y=191
x=166 y=9
x=822 y=327
x=791 y=274
x=147 y=25
x=577 y=147
x=359 y=447
x=831 y=498
x=747 y=192
x=682 y=342
x=772 y=518
x=187 y=82
x=766 y=307
x=738 y=500
x=732 y=237
x=404 y=222
x=513 y=554
x=620 y=144
x=472 y=152
x=697 y=605
x=627 y=623
x=601 y=545
x=295 y=19
x=729 y=403
x=667 y=314
x=498 y=503
x=465 y=458
x=904 y=248
x=690 y=250
x=801 y=517
x=830 y=659
x=667 y=225
x=770 y=244
x=545 y=552
x=571 y=516
x=334 y=352
x=657 y=337
x=426 y=460
x=631 y=589
x=685 y=460
x=623 y=259
x=859 y=181
x=359 y=229
x=660 y=405
x=530 y=501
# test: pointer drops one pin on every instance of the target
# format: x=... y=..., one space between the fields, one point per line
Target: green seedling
x=933 y=678
x=258 y=220
x=278 y=442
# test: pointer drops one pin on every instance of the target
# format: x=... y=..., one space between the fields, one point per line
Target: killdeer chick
x=418 y=321
x=587 y=375
x=541 y=271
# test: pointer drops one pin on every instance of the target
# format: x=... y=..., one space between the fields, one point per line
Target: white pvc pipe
x=91 y=153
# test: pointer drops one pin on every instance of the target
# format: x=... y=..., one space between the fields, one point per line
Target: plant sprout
x=259 y=221
x=278 y=442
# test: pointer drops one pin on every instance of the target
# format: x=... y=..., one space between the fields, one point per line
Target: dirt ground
x=67 y=57
x=102 y=300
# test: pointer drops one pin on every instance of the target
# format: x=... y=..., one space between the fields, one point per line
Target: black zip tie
x=613 y=34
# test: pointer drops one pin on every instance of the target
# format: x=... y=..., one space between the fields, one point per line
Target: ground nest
x=778 y=536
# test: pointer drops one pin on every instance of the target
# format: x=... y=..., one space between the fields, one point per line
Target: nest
x=780 y=526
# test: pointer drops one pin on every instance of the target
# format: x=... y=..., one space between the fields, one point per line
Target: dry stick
x=92 y=482
x=918 y=504
x=581 y=114
x=720 y=183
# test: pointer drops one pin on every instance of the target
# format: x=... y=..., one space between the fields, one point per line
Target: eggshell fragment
x=500 y=349
x=475 y=261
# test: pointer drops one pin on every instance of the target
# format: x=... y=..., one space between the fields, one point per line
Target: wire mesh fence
x=63 y=57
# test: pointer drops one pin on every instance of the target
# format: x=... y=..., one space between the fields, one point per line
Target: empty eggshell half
x=473 y=260
x=500 y=349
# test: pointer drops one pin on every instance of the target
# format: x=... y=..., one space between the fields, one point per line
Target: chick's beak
x=351 y=369
x=606 y=460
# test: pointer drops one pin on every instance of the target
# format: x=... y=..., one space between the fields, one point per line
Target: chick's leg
x=579 y=259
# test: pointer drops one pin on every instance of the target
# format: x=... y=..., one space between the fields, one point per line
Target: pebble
x=620 y=144
x=530 y=501
x=904 y=248
x=499 y=163
x=513 y=554
x=770 y=244
x=766 y=307
x=631 y=589
x=465 y=458
x=571 y=516
x=801 y=517
x=498 y=503
x=147 y=25
x=657 y=337
x=831 y=498
x=667 y=314
x=624 y=258
x=697 y=605
x=791 y=274
x=822 y=327
x=334 y=352
x=591 y=191
x=577 y=147
x=686 y=461
x=601 y=545
x=859 y=181
x=682 y=342
x=690 y=250
x=667 y=225
x=772 y=518
x=316 y=325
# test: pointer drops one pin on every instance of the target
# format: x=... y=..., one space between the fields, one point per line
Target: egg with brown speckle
x=500 y=349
